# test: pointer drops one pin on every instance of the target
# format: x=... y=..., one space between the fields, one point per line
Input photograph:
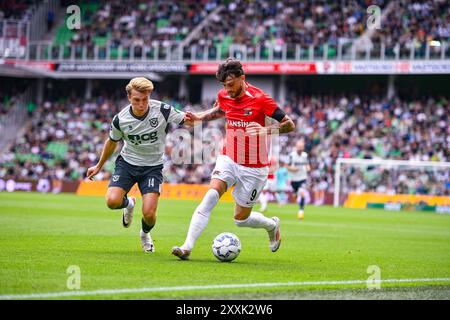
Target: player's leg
x=150 y=186
x=264 y=200
x=149 y=206
x=285 y=195
x=245 y=193
x=200 y=218
x=221 y=179
x=264 y=197
x=301 y=202
x=321 y=197
x=296 y=186
x=246 y=217
x=278 y=196
x=281 y=196
x=116 y=196
x=269 y=189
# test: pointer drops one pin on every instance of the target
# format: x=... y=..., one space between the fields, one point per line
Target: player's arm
x=284 y=125
x=212 y=114
x=188 y=121
x=108 y=149
x=270 y=109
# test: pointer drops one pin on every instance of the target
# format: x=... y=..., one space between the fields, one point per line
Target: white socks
x=131 y=204
x=200 y=218
x=201 y=215
x=256 y=220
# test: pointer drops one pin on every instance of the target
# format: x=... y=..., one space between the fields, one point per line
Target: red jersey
x=253 y=106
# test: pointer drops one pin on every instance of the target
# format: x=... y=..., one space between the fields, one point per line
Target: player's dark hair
x=231 y=66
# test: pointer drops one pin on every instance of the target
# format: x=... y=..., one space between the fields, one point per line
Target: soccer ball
x=226 y=246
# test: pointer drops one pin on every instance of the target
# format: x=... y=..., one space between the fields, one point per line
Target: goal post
x=393 y=177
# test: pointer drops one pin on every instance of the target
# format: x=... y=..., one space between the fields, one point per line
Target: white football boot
x=146 y=242
x=274 y=235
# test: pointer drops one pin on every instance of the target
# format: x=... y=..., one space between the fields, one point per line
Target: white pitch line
x=208 y=287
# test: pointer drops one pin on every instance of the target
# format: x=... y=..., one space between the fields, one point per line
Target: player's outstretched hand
x=192 y=117
x=91 y=172
x=254 y=129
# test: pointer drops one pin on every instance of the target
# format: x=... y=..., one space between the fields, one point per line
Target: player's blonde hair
x=139 y=84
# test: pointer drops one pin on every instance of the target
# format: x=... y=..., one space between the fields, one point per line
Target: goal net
x=392 y=184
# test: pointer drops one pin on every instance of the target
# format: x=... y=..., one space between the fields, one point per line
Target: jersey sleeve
x=271 y=109
x=268 y=104
x=176 y=116
x=115 y=133
x=220 y=101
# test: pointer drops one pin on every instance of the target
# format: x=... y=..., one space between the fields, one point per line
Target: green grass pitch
x=42 y=235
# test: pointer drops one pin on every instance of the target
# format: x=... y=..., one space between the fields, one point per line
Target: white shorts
x=248 y=182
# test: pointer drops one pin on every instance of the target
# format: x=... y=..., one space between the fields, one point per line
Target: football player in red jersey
x=244 y=160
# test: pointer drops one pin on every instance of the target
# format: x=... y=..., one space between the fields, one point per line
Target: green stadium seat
x=161 y=23
x=114 y=53
x=58 y=149
x=225 y=45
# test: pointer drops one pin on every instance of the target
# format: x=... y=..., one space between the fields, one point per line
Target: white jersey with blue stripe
x=144 y=137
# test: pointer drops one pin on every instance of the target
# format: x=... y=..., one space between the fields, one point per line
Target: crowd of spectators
x=10 y=93
x=21 y=10
x=144 y=23
x=63 y=140
x=7 y=101
x=265 y=23
x=66 y=136
x=388 y=129
x=400 y=180
x=261 y=24
x=270 y=23
x=415 y=24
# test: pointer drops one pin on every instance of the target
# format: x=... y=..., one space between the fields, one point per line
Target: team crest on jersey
x=115 y=178
x=247 y=112
x=130 y=127
x=154 y=122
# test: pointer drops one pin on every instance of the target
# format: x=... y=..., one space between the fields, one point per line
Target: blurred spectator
x=50 y=20
x=17 y=9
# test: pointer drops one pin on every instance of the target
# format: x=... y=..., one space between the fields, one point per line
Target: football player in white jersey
x=298 y=173
x=142 y=125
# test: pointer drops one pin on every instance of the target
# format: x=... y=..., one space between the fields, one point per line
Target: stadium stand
x=351 y=124
x=115 y=23
x=17 y=9
x=254 y=30
x=413 y=25
x=65 y=136
x=275 y=23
